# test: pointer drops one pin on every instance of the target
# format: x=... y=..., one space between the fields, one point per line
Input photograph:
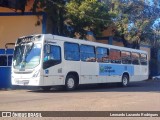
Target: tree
x=88 y=15
x=135 y=19
x=75 y=17
x=55 y=10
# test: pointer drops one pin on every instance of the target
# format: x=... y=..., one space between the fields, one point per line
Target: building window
x=10 y=60
x=3 y=60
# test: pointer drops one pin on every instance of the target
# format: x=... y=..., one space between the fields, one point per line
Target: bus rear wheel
x=125 y=80
x=70 y=83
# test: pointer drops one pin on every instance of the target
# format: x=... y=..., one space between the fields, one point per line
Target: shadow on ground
x=143 y=86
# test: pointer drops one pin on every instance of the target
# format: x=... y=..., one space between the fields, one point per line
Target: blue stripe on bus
x=115 y=69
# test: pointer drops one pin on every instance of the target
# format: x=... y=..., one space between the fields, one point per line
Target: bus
x=47 y=60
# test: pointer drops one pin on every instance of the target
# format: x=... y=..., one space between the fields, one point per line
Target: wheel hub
x=125 y=81
x=70 y=83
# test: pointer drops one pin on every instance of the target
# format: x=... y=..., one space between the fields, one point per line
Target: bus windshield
x=27 y=56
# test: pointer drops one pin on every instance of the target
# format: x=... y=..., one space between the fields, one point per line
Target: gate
x=5 y=68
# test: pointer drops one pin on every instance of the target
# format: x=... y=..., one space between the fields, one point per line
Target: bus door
x=137 y=67
x=114 y=69
x=89 y=67
x=52 y=66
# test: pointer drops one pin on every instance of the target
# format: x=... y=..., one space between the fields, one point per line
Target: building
x=15 y=24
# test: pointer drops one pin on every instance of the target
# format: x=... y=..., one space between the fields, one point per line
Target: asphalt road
x=138 y=96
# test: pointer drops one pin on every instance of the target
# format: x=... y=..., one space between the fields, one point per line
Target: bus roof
x=80 y=41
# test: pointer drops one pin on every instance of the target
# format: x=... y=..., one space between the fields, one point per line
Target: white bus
x=47 y=60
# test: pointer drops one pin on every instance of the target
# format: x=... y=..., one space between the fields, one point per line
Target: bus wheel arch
x=71 y=81
x=125 y=79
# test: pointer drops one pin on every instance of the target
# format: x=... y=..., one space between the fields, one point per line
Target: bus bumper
x=27 y=81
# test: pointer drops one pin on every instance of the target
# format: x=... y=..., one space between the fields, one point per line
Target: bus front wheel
x=70 y=82
x=125 y=80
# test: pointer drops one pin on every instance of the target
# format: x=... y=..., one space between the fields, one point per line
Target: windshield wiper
x=28 y=50
x=25 y=54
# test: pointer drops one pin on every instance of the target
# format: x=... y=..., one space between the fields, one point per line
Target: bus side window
x=55 y=53
x=87 y=53
x=71 y=51
x=102 y=54
x=115 y=56
x=126 y=57
x=135 y=58
x=52 y=58
x=3 y=60
x=143 y=59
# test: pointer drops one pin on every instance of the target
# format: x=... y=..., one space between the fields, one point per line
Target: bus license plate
x=23 y=82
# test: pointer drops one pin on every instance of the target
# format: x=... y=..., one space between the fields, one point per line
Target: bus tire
x=70 y=82
x=125 y=80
